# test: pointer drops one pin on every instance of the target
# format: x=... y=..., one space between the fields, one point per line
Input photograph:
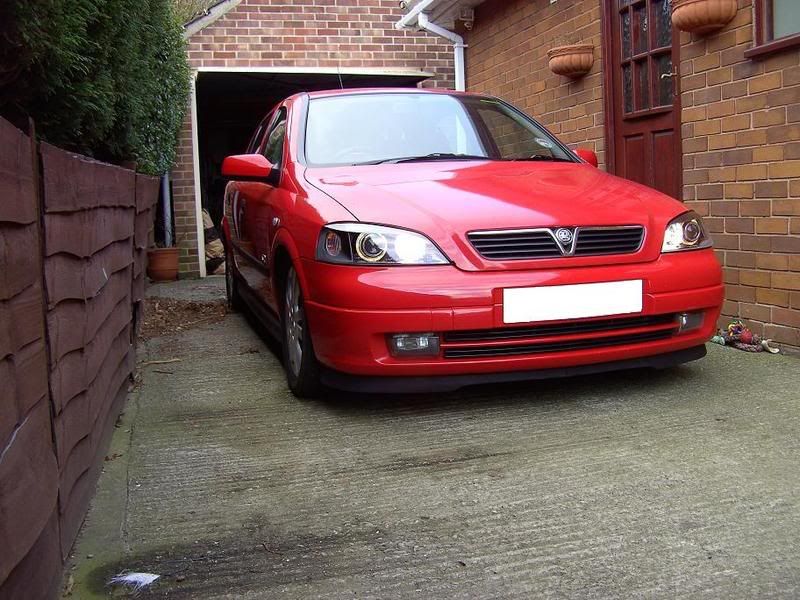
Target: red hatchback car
x=412 y=240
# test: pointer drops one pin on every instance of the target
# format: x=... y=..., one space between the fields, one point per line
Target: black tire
x=299 y=361
x=231 y=284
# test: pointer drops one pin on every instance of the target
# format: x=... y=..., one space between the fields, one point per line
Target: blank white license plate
x=580 y=301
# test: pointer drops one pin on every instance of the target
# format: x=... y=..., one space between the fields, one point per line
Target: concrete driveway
x=639 y=484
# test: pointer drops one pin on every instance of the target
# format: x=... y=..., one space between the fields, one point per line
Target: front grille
x=530 y=244
x=535 y=243
x=560 y=346
x=601 y=240
x=557 y=329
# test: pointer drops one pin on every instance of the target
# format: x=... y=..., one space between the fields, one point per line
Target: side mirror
x=248 y=167
x=587 y=155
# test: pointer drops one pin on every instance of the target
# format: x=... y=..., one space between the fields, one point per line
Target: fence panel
x=73 y=254
x=29 y=535
x=89 y=316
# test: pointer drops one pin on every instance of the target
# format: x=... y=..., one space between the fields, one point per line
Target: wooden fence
x=73 y=237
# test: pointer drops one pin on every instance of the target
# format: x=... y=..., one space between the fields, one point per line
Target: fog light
x=687 y=321
x=414 y=344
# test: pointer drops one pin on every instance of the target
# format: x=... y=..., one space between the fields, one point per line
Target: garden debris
x=161 y=362
x=164 y=316
x=137 y=581
x=739 y=336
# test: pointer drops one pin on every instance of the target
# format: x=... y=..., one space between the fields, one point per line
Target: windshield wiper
x=541 y=157
x=426 y=157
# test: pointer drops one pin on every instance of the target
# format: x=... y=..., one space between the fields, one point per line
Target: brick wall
x=741 y=145
x=300 y=33
x=507 y=57
x=740 y=134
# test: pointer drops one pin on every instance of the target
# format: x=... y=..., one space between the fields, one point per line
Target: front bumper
x=352 y=310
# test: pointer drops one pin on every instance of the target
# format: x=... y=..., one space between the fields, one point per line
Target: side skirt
x=264 y=315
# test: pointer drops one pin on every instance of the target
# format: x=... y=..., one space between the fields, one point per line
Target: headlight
x=685 y=232
x=364 y=244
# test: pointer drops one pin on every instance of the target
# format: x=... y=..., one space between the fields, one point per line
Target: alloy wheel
x=294 y=322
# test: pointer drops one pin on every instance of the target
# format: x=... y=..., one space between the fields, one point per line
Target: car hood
x=446 y=200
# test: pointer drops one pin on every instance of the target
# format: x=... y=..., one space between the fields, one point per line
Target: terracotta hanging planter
x=702 y=16
x=162 y=264
x=571 y=61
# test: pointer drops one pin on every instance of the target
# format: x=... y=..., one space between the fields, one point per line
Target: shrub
x=108 y=78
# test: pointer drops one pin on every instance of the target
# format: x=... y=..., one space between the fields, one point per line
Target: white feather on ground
x=137 y=581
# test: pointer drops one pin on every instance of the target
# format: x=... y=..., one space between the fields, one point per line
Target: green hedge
x=108 y=78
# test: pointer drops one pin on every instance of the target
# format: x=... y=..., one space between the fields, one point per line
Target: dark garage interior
x=231 y=104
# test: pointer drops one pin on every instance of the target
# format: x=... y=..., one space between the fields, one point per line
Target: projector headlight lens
x=686 y=232
x=365 y=244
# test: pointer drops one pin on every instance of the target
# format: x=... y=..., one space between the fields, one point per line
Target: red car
x=412 y=240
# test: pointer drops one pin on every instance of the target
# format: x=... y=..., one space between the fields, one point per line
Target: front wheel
x=300 y=362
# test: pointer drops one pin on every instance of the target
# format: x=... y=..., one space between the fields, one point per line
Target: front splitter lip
x=448 y=383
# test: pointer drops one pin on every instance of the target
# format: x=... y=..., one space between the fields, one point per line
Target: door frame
x=608 y=12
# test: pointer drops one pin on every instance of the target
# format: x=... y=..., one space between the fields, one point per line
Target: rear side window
x=273 y=149
x=258 y=137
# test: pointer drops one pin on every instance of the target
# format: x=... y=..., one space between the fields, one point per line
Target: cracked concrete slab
x=646 y=484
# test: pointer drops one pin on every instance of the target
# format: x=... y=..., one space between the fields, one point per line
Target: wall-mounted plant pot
x=162 y=264
x=702 y=16
x=571 y=61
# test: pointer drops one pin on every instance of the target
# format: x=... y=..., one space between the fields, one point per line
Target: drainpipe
x=458 y=46
x=425 y=23
x=166 y=210
x=407 y=19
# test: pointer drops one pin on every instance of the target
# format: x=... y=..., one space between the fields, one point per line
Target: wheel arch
x=285 y=255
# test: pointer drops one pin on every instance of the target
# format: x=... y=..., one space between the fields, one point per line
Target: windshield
x=376 y=128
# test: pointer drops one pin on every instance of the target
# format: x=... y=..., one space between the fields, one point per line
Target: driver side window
x=273 y=149
x=513 y=139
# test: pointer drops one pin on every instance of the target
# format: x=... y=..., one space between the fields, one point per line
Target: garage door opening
x=231 y=104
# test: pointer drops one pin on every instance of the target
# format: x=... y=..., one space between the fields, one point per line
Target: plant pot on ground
x=574 y=60
x=702 y=16
x=162 y=264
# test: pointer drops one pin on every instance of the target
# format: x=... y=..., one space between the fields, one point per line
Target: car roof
x=386 y=90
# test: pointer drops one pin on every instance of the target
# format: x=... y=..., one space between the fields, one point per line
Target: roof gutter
x=423 y=21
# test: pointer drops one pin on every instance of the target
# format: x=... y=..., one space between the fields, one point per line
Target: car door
x=238 y=195
x=259 y=199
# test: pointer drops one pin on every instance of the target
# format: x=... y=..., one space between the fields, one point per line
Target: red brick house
x=246 y=55
x=713 y=118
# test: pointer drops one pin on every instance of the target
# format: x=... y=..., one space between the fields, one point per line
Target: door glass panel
x=626 y=34
x=664 y=84
x=640 y=43
x=662 y=22
x=627 y=87
x=642 y=86
x=273 y=150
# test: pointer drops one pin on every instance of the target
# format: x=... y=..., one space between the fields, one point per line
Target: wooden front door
x=642 y=97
